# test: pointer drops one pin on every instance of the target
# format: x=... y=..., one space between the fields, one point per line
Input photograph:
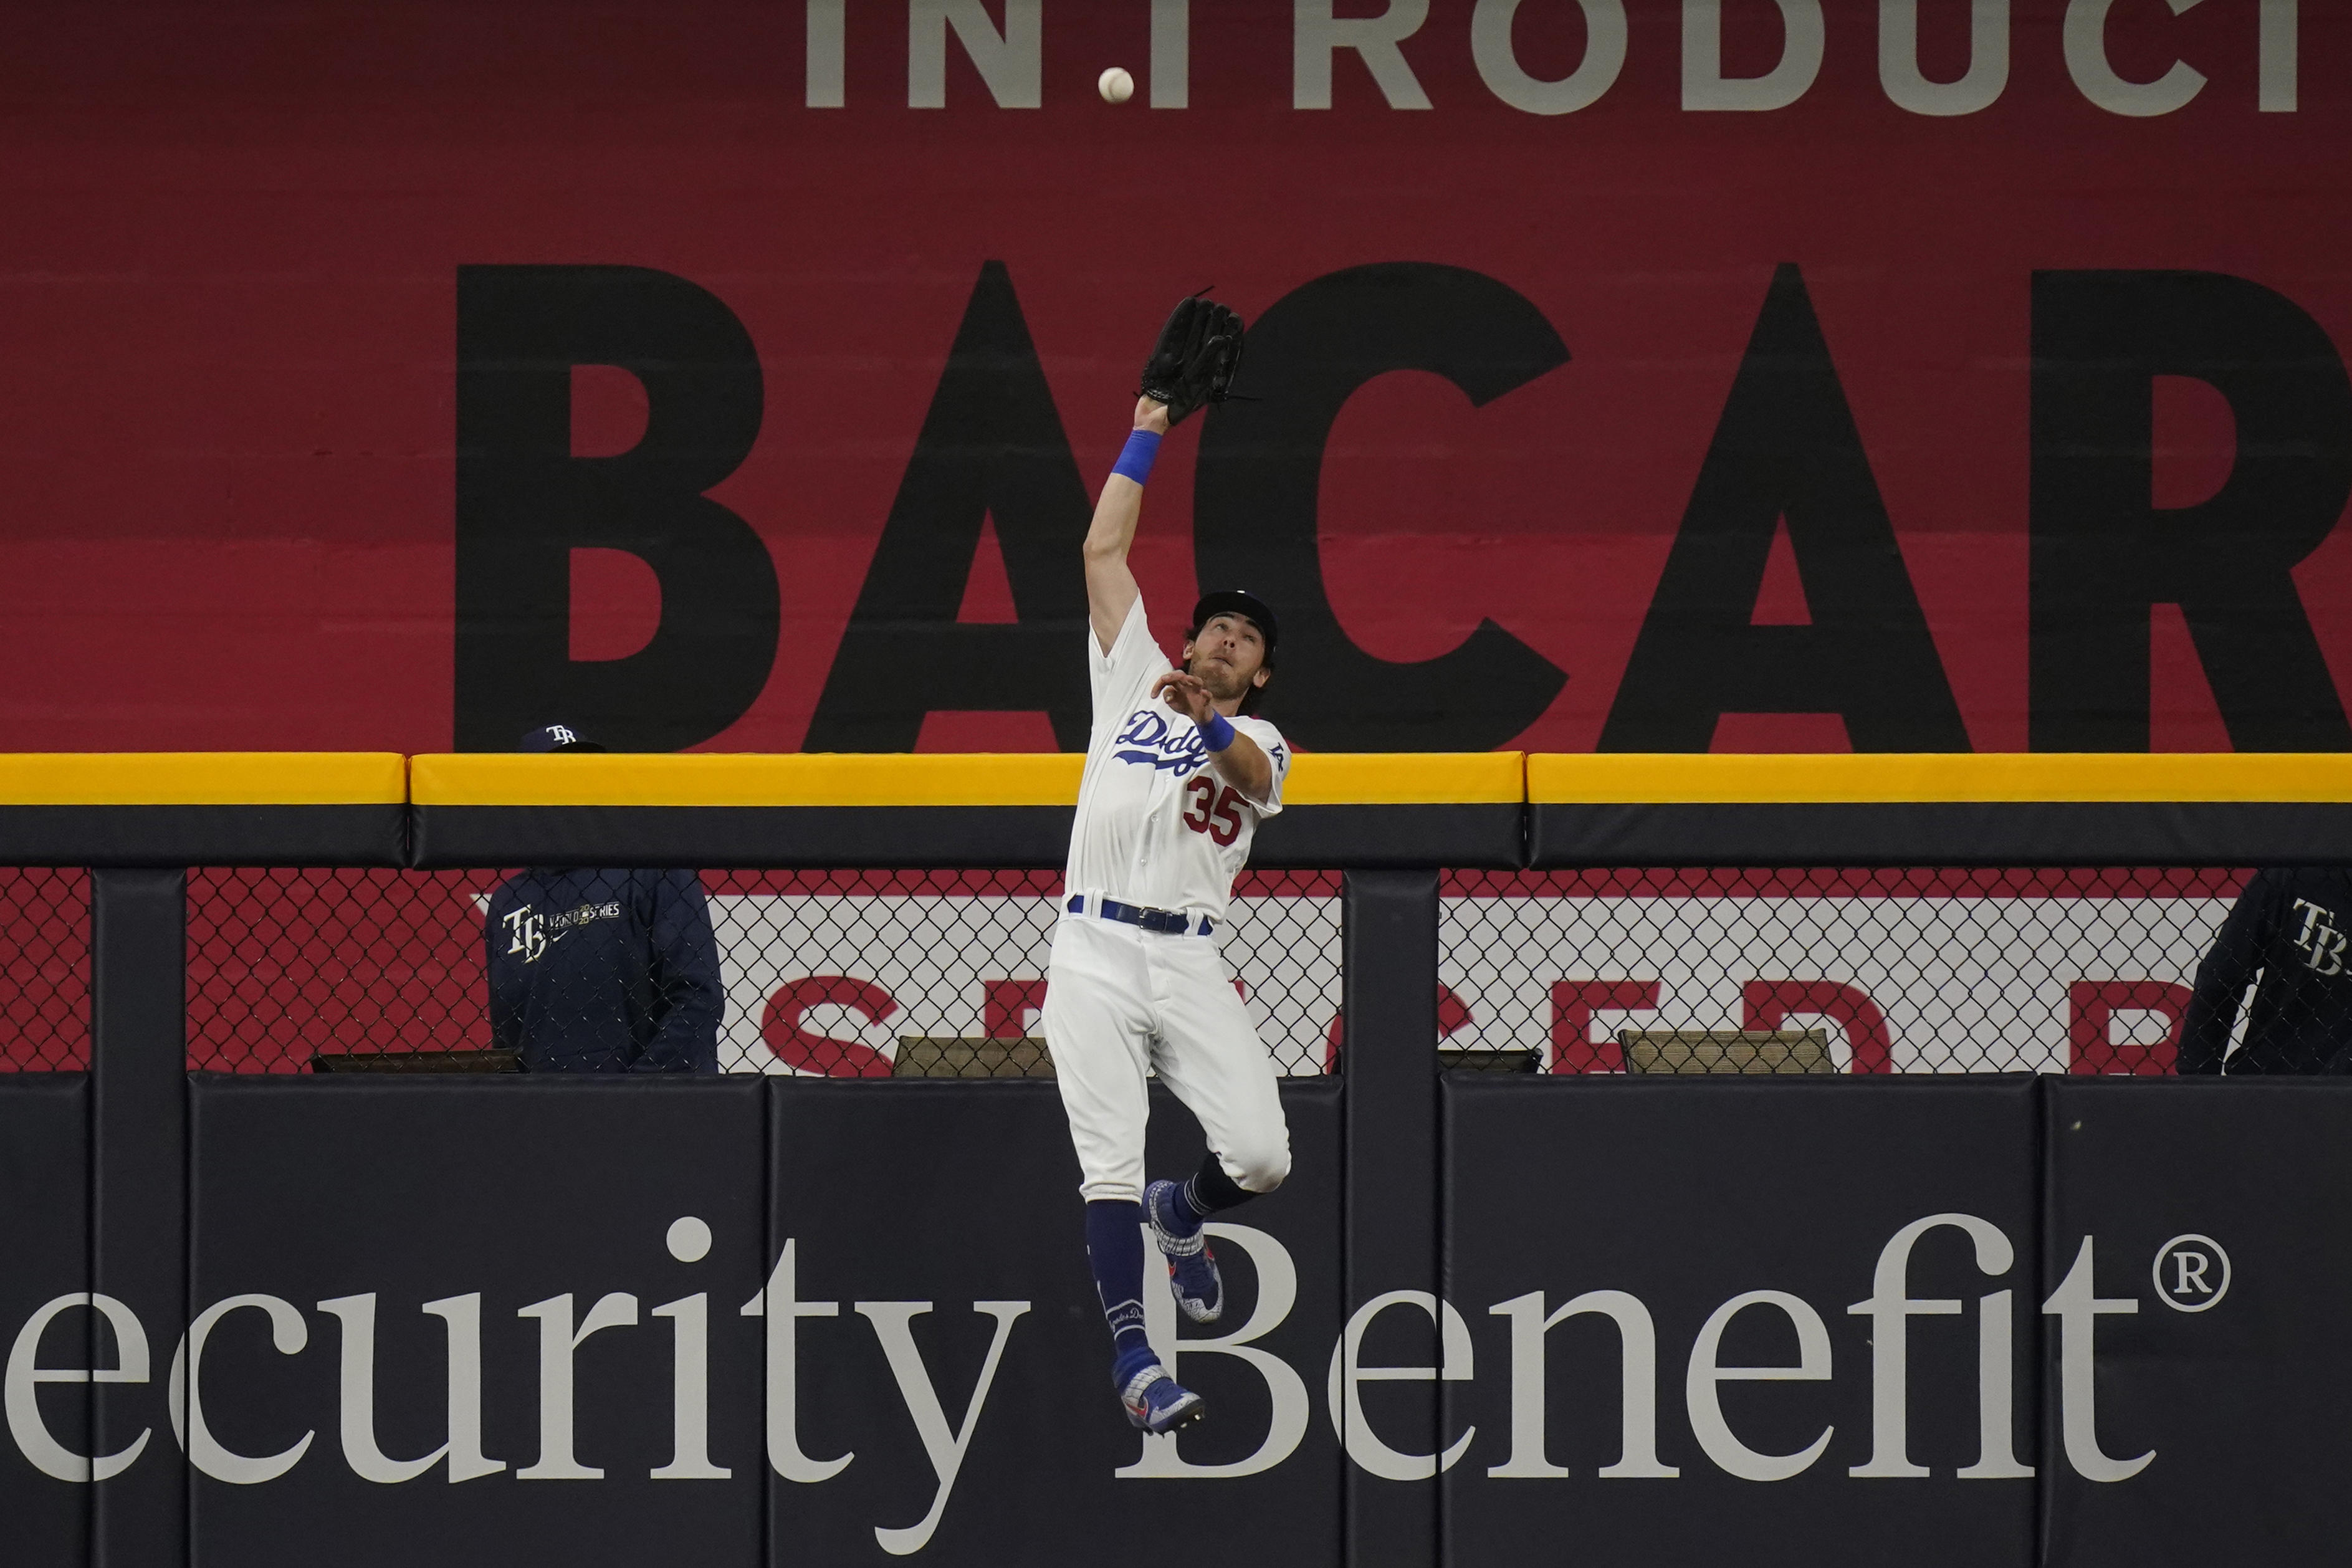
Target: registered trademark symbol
x=2191 y=1273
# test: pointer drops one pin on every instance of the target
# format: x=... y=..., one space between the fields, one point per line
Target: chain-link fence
x=844 y=973
x=284 y=965
x=44 y=969
x=878 y=973
x=1905 y=970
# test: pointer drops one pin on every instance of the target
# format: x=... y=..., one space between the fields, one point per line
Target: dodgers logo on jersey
x=1177 y=748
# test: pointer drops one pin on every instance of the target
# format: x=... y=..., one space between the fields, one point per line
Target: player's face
x=1228 y=657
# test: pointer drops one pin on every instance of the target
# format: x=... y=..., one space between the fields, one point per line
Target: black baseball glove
x=1195 y=360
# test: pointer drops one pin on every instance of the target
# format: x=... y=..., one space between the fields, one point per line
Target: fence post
x=1388 y=1065
x=139 y=1197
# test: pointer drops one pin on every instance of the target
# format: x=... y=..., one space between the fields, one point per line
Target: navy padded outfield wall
x=1805 y=1285
x=499 y=1197
x=921 y=1359
x=2026 y=1321
x=2223 y=1268
x=45 y=1237
x=1654 y=1206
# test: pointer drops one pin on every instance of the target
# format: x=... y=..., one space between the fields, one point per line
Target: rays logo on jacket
x=2322 y=944
x=1151 y=741
x=533 y=933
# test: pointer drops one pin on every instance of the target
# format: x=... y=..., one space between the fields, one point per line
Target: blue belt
x=1167 y=923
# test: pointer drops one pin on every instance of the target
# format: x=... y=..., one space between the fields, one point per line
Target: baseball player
x=1177 y=776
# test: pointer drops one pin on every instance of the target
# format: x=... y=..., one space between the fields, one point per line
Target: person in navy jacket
x=603 y=971
x=2290 y=926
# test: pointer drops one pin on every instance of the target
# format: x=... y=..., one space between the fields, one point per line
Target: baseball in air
x=1115 y=85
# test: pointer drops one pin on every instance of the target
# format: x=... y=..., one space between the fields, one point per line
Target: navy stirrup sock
x=1115 y=1249
x=1208 y=1191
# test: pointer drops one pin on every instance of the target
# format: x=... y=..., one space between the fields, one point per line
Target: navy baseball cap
x=556 y=738
x=1238 y=602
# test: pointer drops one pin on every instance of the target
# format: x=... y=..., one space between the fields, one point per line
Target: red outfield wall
x=2042 y=390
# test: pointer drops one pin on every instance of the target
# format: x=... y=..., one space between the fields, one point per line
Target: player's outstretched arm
x=1243 y=763
x=1111 y=590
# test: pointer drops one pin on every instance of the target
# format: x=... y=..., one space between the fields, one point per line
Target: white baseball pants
x=1120 y=999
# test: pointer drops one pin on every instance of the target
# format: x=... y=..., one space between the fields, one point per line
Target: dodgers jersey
x=1156 y=825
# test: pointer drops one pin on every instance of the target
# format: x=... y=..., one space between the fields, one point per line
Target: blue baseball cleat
x=1157 y=1403
x=1193 y=1276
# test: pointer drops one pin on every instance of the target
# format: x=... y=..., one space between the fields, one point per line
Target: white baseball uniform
x=1156 y=829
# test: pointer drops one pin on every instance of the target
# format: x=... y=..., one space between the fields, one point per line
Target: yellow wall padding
x=732 y=779
x=1406 y=778
x=844 y=779
x=204 y=778
x=1557 y=779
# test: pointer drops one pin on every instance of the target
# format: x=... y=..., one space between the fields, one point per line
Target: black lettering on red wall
x=2103 y=552
x=1786 y=448
x=525 y=502
x=1260 y=470
x=991 y=446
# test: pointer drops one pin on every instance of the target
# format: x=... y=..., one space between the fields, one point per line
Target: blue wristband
x=1218 y=732
x=1135 y=458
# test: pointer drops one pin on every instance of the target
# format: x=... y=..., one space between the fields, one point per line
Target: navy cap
x=1238 y=602
x=556 y=738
